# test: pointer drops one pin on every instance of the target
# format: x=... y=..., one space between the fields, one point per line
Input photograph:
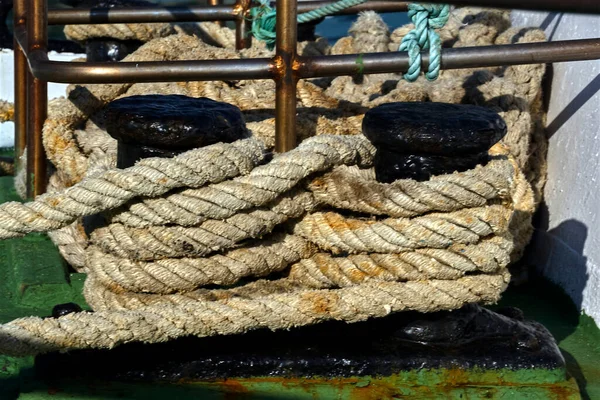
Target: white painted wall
x=566 y=246
x=7 y=129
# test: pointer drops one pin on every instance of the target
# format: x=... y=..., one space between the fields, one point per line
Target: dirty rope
x=332 y=242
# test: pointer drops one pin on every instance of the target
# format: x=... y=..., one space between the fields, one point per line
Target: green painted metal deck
x=34 y=278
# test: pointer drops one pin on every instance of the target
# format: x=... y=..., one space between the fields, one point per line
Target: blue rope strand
x=263 y=18
x=427 y=18
x=327 y=10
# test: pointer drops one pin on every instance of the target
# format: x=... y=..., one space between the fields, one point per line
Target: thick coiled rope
x=155 y=272
x=331 y=242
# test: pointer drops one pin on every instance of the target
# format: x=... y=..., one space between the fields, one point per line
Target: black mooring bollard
x=106 y=49
x=109 y=50
x=418 y=140
x=166 y=125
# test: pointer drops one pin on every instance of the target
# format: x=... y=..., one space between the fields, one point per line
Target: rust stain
x=319 y=183
x=340 y=223
x=279 y=66
x=53 y=202
x=233 y=389
x=321 y=303
x=371 y=388
x=297 y=65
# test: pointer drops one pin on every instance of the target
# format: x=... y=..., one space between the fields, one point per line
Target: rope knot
x=263 y=23
x=427 y=18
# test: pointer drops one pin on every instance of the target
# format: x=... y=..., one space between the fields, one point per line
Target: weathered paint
x=33 y=276
x=480 y=386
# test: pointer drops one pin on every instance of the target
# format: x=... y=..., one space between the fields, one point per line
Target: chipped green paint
x=33 y=276
x=577 y=334
x=360 y=64
x=307 y=389
x=33 y=279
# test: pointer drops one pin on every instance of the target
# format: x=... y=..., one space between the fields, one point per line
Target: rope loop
x=427 y=18
x=263 y=23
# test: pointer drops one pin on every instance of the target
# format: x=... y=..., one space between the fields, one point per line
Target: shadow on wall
x=558 y=253
x=579 y=101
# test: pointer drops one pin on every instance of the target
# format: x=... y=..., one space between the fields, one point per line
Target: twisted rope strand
x=264 y=18
x=149 y=177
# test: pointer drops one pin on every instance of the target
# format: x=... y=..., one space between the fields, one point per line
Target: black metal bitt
x=109 y=50
x=419 y=140
x=106 y=49
x=167 y=125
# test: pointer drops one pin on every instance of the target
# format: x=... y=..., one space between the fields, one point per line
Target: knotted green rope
x=263 y=18
x=427 y=18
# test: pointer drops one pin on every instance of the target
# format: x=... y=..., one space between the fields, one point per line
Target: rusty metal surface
x=243 y=38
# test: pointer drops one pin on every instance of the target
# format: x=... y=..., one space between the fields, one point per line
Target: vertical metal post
x=216 y=3
x=285 y=92
x=20 y=81
x=37 y=99
x=243 y=38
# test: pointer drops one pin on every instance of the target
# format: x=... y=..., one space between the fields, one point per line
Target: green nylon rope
x=427 y=18
x=263 y=18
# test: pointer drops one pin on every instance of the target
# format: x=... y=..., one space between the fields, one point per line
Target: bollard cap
x=174 y=121
x=433 y=128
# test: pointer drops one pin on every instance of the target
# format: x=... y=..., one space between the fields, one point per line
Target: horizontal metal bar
x=382 y=6
x=150 y=71
x=519 y=54
x=140 y=15
x=464 y=57
x=307 y=67
x=190 y=13
x=147 y=71
x=576 y=6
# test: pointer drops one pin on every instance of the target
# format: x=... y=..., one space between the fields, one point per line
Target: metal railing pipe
x=151 y=71
x=464 y=57
x=80 y=16
x=20 y=80
x=576 y=6
x=37 y=99
x=134 y=15
x=286 y=80
x=305 y=67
